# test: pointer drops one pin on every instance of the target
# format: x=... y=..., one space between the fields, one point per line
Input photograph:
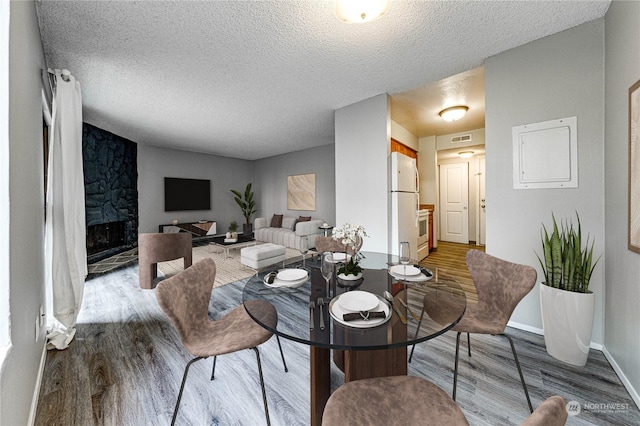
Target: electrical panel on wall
x=545 y=155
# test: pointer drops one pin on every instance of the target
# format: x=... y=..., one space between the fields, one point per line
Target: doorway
x=461 y=202
x=454 y=202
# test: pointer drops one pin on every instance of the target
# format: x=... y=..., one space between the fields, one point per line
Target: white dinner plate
x=400 y=270
x=278 y=283
x=355 y=301
x=336 y=311
x=340 y=257
x=292 y=274
x=413 y=279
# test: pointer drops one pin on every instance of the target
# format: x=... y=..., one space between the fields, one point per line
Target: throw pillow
x=276 y=221
x=301 y=219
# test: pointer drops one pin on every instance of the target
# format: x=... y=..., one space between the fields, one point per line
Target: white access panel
x=545 y=155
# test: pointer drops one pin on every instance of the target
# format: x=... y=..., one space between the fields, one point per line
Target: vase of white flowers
x=352 y=238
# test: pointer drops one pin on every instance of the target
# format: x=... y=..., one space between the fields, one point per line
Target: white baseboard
x=36 y=390
x=540 y=331
x=525 y=327
x=623 y=378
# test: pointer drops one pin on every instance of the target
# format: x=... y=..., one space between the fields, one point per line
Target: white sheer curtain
x=65 y=252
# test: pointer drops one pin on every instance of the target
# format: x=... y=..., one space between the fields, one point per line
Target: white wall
x=19 y=375
x=270 y=182
x=622 y=317
x=404 y=136
x=558 y=76
x=154 y=164
x=362 y=133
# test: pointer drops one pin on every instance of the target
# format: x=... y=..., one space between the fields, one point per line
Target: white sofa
x=286 y=235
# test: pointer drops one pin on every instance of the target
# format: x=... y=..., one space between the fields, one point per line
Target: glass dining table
x=368 y=332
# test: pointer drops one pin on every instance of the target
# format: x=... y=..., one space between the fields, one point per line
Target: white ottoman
x=258 y=257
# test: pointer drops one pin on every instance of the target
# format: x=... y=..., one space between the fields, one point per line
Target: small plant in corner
x=246 y=203
x=566 y=264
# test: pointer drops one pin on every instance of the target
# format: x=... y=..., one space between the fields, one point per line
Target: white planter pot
x=350 y=277
x=567 y=319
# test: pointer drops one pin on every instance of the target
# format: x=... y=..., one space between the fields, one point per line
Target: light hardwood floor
x=126 y=363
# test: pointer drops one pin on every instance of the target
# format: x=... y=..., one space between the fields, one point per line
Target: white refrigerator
x=405 y=203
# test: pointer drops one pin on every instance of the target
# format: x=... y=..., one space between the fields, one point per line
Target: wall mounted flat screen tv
x=186 y=194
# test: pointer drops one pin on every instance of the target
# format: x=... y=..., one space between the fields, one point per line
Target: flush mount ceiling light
x=466 y=154
x=454 y=113
x=359 y=11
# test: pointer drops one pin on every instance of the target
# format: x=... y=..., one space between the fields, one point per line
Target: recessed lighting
x=454 y=113
x=466 y=154
x=359 y=11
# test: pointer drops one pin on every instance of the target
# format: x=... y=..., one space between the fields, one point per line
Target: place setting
x=406 y=272
x=359 y=309
x=287 y=278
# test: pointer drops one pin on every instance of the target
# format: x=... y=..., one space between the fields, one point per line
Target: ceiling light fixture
x=466 y=154
x=454 y=113
x=359 y=11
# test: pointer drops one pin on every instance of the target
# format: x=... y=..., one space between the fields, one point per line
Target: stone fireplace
x=104 y=236
x=111 y=193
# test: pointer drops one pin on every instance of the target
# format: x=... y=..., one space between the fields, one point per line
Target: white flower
x=348 y=234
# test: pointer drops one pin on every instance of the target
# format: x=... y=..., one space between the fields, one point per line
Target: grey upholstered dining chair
x=324 y=244
x=394 y=400
x=185 y=298
x=405 y=400
x=500 y=286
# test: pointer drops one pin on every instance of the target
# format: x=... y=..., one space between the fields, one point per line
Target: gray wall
x=558 y=76
x=154 y=164
x=19 y=374
x=270 y=182
x=622 y=317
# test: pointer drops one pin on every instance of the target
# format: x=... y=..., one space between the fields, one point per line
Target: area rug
x=228 y=269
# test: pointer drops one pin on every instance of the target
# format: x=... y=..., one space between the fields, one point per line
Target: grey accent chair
x=500 y=286
x=404 y=400
x=185 y=298
x=154 y=248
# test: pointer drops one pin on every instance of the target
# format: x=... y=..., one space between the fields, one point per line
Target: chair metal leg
x=524 y=386
x=469 y=342
x=184 y=380
x=264 y=393
x=213 y=370
x=455 y=370
x=417 y=331
x=282 y=354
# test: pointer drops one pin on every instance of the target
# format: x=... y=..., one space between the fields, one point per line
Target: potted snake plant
x=247 y=206
x=566 y=302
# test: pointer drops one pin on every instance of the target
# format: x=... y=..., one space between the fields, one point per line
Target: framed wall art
x=301 y=192
x=634 y=167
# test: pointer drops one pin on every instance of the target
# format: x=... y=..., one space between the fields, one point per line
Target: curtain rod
x=65 y=73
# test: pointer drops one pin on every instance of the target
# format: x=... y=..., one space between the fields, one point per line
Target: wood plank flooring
x=449 y=258
x=126 y=363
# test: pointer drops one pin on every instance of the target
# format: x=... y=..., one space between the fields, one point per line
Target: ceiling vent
x=461 y=138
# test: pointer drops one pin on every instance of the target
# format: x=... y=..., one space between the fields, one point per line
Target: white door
x=454 y=203
x=482 y=240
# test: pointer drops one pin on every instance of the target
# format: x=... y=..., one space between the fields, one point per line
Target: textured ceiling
x=252 y=79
